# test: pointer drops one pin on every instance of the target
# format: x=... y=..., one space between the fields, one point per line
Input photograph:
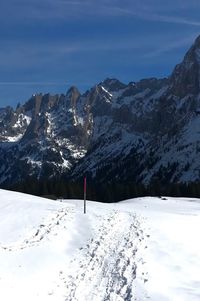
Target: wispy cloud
x=19 y=55
x=170 y=46
x=152 y=11
x=172 y=19
x=149 y=16
x=47 y=55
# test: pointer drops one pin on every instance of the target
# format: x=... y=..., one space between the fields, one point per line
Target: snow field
x=140 y=249
x=173 y=254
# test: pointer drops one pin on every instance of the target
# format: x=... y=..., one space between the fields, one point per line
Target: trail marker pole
x=85 y=188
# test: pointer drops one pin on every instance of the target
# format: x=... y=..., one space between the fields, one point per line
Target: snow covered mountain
x=142 y=131
x=136 y=250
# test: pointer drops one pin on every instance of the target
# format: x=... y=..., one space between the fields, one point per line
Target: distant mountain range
x=144 y=131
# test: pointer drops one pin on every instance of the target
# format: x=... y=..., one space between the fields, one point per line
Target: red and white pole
x=85 y=188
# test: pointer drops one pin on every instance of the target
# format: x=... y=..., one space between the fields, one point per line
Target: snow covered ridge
x=143 y=131
x=140 y=249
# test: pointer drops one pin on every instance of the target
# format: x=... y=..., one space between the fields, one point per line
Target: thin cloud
x=175 y=20
x=80 y=9
x=23 y=53
x=37 y=56
x=62 y=9
x=148 y=16
x=170 y=46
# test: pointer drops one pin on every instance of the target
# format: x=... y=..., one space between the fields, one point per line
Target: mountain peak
x=138 y=132
x=112 y=84
x=72 y=90
x=193 y=54
x=197 y=42
x=73 y=93
x=185 y=78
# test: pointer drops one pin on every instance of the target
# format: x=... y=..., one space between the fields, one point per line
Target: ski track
x=48 y=227
x=105 y=269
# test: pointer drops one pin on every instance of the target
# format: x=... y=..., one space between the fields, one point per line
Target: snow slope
x=140 y=249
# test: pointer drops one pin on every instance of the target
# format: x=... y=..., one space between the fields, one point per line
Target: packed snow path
x=105 y=268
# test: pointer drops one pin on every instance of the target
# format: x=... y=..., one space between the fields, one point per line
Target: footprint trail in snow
x=105 y=269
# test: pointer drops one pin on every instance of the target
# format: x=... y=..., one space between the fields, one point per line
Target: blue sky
x=49 y=45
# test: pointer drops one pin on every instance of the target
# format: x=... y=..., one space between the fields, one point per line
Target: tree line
x=108 y=192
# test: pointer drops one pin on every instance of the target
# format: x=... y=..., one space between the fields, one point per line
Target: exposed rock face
x=186 y=76
x=42 y=138
x=143 y=131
